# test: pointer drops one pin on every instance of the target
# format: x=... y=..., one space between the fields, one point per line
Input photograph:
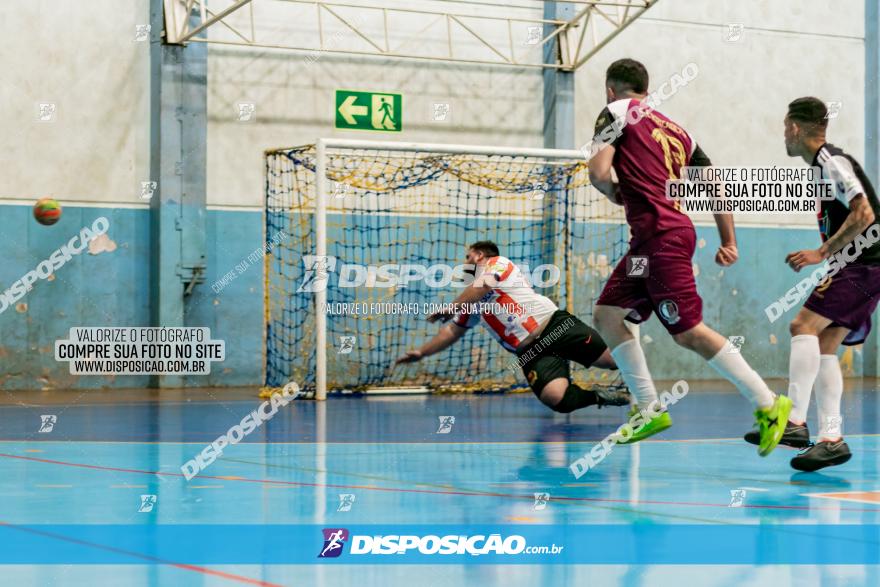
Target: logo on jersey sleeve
x=499 y=268
x=334 y=539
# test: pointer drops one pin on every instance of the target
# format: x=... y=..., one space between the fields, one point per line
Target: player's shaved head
x=810 y=114
x=488 y=248
x=627 y=75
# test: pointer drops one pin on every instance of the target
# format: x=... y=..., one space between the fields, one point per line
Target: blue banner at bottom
x=638 y=544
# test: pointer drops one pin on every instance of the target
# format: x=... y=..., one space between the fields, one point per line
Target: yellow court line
x=837 y=495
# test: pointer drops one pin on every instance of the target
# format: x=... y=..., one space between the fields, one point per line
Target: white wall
x=85 y=60
x=294 y=94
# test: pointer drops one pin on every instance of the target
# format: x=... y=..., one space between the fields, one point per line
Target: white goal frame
x=321 y=192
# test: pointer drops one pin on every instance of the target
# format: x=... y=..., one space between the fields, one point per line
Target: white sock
x=829 y=390
x=803 y=367
x=733 y=367
x=633 y=367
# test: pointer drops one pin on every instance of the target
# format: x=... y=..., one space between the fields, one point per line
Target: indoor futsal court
x=440 y=292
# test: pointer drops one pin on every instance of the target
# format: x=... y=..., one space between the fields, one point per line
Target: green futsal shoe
x=653 y=426
x=771 y=424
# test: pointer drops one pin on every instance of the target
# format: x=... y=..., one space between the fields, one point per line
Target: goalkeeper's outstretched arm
x=445 y=337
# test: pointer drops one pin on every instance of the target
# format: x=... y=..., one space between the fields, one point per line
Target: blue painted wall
x=111 y=289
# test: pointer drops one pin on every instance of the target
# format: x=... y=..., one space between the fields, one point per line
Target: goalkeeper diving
x=543 y=337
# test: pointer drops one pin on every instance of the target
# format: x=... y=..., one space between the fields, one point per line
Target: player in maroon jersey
x=645 y=149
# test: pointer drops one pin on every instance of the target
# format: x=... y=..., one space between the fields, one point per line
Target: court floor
x=98 y=496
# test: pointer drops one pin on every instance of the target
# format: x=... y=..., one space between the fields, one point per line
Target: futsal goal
x=363 y=252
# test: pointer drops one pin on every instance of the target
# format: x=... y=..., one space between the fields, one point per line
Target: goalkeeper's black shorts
x=564 y=339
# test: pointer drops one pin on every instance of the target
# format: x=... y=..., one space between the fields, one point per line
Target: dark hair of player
x=627 y=75
x=486 y=247
x=810 y=113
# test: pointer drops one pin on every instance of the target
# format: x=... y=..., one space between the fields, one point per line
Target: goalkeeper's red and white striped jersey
x=516 y=310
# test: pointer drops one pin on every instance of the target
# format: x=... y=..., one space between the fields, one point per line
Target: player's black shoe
x=822 y=454
x=795 y=435
x=612 y=395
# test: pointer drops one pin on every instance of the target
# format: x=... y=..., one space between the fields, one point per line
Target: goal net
x=361 y=258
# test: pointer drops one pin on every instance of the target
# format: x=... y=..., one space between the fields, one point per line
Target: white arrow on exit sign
x=349 y=110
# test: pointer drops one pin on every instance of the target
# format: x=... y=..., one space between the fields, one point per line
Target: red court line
x=186 y=567
x=429 y=491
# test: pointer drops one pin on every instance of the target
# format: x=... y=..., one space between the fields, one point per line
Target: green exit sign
x=369 y=111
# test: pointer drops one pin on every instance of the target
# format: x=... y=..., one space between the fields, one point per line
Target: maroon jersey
x=649 y=150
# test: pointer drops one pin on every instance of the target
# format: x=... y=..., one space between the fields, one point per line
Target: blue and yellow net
x=393 y=208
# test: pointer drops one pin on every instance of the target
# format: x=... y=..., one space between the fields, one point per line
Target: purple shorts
x=657 y=275
x=848 y=299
